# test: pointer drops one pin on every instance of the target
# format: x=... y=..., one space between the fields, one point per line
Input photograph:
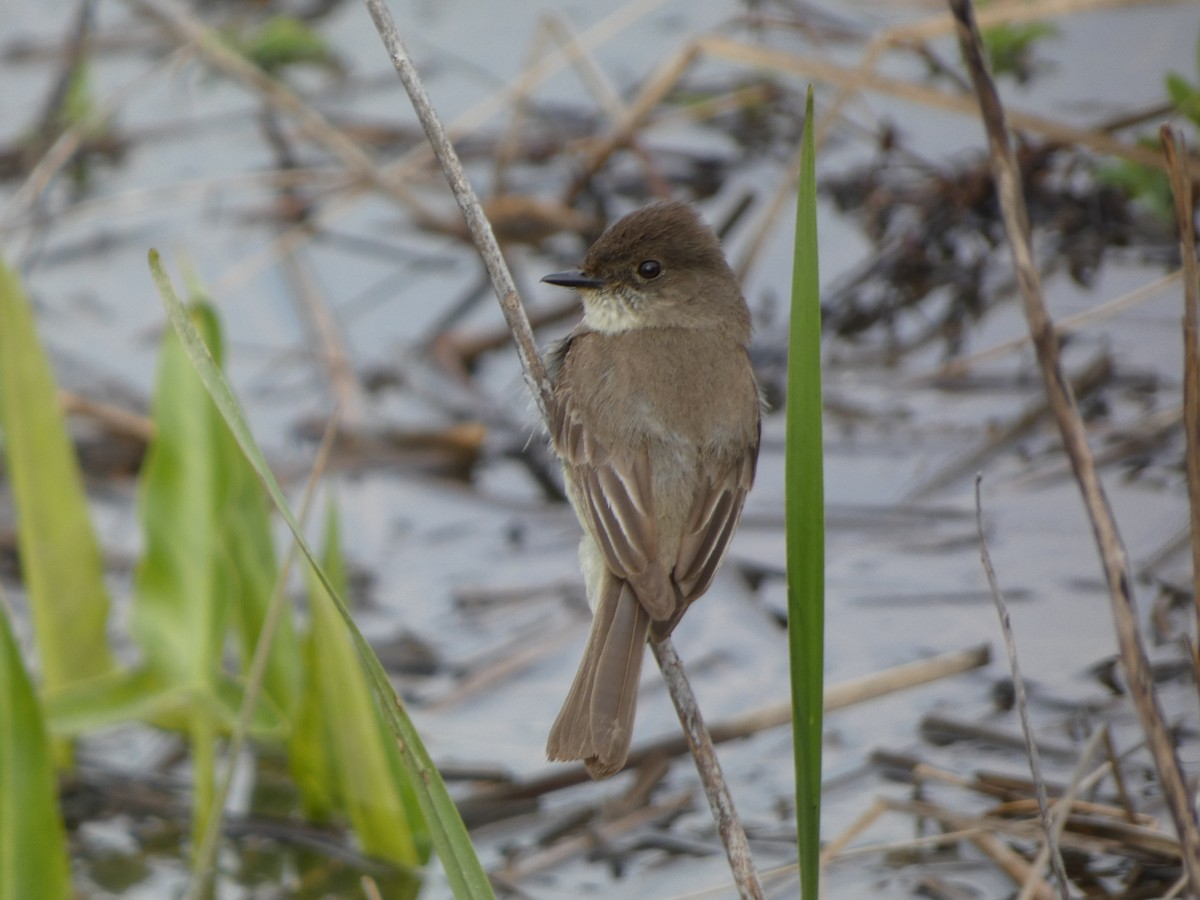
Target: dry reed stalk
x=835 y=848
x=857 y=690
x=1175 y=149
x=1015 y=866
x=729 y=826
x=1063 y=807
x=1123 y=795
x=621 y=133
x=1074 y=436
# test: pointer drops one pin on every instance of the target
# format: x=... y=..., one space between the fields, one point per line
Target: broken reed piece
x=1175 y=149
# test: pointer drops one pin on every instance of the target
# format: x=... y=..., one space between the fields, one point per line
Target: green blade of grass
x=180 y=610
x=33 y=854
x=61 y=563
x=805 y=512
x=363 y=760
x=182 y=584
x=447 y=832
x=247 y=544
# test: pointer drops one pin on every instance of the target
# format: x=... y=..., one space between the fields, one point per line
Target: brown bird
x=656 y=421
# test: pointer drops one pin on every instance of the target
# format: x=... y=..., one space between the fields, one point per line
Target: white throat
x=606 y=312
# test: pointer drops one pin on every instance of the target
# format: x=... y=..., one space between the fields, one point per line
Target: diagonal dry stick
x=1062 y=403
x=728 y=825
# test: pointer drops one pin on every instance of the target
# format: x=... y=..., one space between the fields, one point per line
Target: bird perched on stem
x=656 y=421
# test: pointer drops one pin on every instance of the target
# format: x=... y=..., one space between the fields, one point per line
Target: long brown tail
x=596 y=721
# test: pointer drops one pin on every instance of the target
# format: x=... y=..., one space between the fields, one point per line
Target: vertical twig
x=1181 y=185
x=535 y=375
x=1010 y=645
x=1070 y=424
x=729 y=826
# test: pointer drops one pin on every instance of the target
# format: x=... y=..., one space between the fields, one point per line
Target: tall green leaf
x=363 y=758
x=447 y=832
x=805 y=512
x=180 y=608
x=33 y=854
x=182 y=584
x=60 y=558
x=247 y=546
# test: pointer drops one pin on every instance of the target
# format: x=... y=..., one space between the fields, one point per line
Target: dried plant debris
x=1110 y=848
x=940 y=254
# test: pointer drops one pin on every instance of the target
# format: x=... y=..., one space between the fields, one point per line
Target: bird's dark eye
x=649 y=268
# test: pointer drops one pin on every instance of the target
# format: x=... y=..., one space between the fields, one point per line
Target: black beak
x=573 y=279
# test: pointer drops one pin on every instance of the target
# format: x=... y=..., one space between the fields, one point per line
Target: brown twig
x=1010 y=645
x=1112 y=551
x=733 y=836
x=539 y=383
x=1181 y=185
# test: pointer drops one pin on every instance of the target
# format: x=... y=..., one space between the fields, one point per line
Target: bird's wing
x=713 y=520
x=614 y=497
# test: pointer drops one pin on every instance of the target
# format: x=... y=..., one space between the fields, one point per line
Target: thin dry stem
x=1074 y=437
x=1062 y=808
x=1031 y=750
x=733 y=836
x=1175 y=149
x=326 y=333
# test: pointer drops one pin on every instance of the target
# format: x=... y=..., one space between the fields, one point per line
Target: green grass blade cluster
x=447 y=832
x=33 y=854
x=61 y=563
x=805 y=514
x=356 y=757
